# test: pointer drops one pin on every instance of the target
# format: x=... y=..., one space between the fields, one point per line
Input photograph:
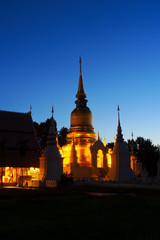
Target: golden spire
x=104 y=143
x=80 y=93
x=98 y=136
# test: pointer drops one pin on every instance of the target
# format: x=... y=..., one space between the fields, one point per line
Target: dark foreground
x=71 y=213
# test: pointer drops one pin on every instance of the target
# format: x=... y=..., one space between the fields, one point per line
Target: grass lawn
x=71 y=213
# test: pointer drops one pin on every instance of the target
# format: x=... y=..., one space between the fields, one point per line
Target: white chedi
x=121 y=170
x=52 y=159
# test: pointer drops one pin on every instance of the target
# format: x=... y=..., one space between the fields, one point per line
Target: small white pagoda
x=121 y=170
x=51 y=167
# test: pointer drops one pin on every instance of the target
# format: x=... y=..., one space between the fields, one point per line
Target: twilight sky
x=119 y=42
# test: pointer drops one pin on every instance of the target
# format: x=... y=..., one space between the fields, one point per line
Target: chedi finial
x=80 y=93
x=132 y=135
x=52 y=111
x=119 y=136
x=80 y=62
x=30 y=112
x=118 y=114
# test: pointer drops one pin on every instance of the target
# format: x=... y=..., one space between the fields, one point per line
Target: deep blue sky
x=119 y=41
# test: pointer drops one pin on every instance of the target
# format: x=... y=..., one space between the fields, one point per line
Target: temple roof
x=17 y=129
x=15 y=121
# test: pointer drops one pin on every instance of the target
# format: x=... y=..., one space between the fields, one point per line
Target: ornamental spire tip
x=52 y=111
x=80 y=62
x=80 y=93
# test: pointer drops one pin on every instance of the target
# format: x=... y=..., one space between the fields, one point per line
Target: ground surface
x=71 y=213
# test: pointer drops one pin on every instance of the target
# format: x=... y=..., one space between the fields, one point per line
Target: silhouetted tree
x=129 y=143
x=42 y=130
x=36 y=127
x=110 y=145
x=62 y=136
x=147 y=154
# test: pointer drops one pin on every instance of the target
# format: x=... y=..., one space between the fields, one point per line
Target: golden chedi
x=88 y=158
x=81 y=132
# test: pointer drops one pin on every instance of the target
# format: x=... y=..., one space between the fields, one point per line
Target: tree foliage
x=147 y=153
x=110 y=145
x=62 y=136
x=42 y=130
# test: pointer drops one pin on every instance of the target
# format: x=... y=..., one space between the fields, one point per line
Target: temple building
x=19 y=149
x=120 y=170
x=77 y=152
x=88 y=158
x=51 y=168
x=84 y=156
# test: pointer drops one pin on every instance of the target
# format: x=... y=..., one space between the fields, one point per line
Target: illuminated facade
x=19 y=149
x=12 y=176
x=83 y=155
x=87 y=158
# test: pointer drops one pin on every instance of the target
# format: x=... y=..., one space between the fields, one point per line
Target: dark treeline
x=42 y=130
x=147 y=153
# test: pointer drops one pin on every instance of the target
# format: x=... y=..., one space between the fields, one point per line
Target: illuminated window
x=9 y=175
x=100 y=159
x=109 y=162
x=33 y=172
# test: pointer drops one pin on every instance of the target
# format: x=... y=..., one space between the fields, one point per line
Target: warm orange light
x=109 y=161
x=33 y=172
x=99 y=159
x=12 y=175
x=82 y=141
x=9 y=175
